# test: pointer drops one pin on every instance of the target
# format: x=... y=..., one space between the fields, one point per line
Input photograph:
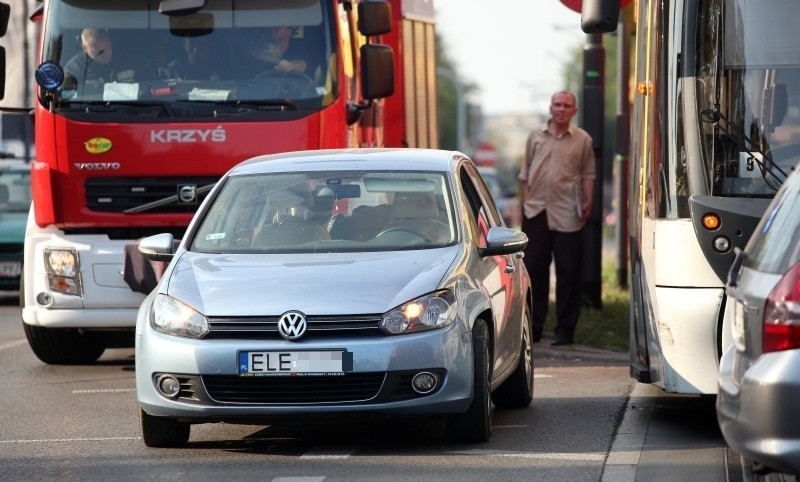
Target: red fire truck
x=141 y=105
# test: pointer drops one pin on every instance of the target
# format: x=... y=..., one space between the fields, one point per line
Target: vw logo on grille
x=292 y=325
x=187 y=193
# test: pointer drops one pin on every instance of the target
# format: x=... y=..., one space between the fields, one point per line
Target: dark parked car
x=15 y=202
x=759 y=381
x=324 y=283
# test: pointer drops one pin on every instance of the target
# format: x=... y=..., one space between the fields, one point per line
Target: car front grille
x=265 y=328
x=158 y=194
x=351 y=387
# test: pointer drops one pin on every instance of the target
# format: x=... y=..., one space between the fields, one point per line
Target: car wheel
x=517 y=390
x=475 y=425
x=63 y=346
x=158 y=432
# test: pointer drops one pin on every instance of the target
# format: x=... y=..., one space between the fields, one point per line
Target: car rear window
x=775 y=246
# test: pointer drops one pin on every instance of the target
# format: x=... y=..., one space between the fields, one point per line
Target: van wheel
x=159 y=432
x=475 y=425
x=517 y=390
x=63 y=346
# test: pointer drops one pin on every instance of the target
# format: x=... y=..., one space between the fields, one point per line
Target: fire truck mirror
x=5 y=15
x=374 y=18
x=377 y=70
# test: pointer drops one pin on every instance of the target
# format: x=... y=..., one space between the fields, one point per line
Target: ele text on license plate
x=294 y=363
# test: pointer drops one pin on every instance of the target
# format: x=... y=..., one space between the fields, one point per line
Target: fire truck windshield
x=243 y=54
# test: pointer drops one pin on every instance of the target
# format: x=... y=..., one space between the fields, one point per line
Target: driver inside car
x=274 y=47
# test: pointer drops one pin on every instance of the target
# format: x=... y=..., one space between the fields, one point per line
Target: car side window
x=479 y=214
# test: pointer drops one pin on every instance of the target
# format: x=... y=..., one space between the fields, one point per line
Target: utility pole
x=593 y=115
x=623 y=146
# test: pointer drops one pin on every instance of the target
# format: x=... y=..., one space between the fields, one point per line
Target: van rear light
x=782 y=314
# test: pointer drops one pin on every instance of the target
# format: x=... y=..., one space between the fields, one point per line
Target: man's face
x=562 y=108
x=98 y=49
x=281 y=33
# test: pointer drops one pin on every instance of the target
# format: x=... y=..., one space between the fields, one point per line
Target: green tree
x=448 y=99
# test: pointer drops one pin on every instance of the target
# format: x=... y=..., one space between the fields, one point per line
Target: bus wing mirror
x=377 y=71
x=374 y=18
x=599 y=16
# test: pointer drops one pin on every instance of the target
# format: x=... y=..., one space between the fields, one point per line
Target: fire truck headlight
x=63 y=270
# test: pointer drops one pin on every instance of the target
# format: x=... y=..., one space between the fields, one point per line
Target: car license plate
x=10 y=269
x=294 y=363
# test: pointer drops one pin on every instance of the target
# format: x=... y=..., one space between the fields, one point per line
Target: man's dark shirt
x=82 y=66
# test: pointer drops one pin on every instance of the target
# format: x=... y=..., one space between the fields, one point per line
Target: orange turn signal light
x=711 y=221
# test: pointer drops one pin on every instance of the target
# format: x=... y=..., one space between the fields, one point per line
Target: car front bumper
x=382 y=368
x=757 y=407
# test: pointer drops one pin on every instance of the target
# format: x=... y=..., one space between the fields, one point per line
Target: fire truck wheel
x=62 y=346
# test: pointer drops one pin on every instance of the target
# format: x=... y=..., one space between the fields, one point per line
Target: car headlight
x=428 y=312
x=173 y=317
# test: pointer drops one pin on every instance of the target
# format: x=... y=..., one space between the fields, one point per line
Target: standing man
x=556 y=186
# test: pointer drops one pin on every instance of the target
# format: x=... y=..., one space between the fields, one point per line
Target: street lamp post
x=461 y=108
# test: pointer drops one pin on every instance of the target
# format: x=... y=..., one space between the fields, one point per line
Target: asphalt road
x=589 y=421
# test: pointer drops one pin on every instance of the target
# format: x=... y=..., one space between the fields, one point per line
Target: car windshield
x=15 y=190
x=338 y=211
x=256 y=55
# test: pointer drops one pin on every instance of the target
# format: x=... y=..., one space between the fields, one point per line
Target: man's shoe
x=561 y=342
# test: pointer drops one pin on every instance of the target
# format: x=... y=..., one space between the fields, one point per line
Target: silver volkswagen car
x=326 y=283
x=759 y=380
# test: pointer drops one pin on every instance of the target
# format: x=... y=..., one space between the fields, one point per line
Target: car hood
x=12 y=227
x=315 y=284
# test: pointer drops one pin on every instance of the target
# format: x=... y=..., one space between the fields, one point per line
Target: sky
x=512 y=49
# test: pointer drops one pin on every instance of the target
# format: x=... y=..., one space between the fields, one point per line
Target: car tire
x=159 y=432
x=475 y=425
x=62 y=346
x=517 y=390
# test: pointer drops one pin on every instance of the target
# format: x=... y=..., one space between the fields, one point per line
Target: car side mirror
x=501 y=241
x=159 y=247
x=733 y=273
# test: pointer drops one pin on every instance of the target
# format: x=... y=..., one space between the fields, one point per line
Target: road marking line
x=299 y=479
x=12 y=344
x=62 y=440
x=573 y=457
x=103 y=390
x=542 y=376
x=325 y=452
x=509 y=426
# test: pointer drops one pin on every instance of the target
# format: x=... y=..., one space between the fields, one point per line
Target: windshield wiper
x=165 y=201
x=98 y=106
x=770 y=171
x=254 y=105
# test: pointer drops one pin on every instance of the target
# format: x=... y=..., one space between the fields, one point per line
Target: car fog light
x=44 y=298
x=722 y=244
x=424 y=382
x=169 y=386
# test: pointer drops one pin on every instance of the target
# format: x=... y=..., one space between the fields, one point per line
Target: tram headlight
x=722 y=244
